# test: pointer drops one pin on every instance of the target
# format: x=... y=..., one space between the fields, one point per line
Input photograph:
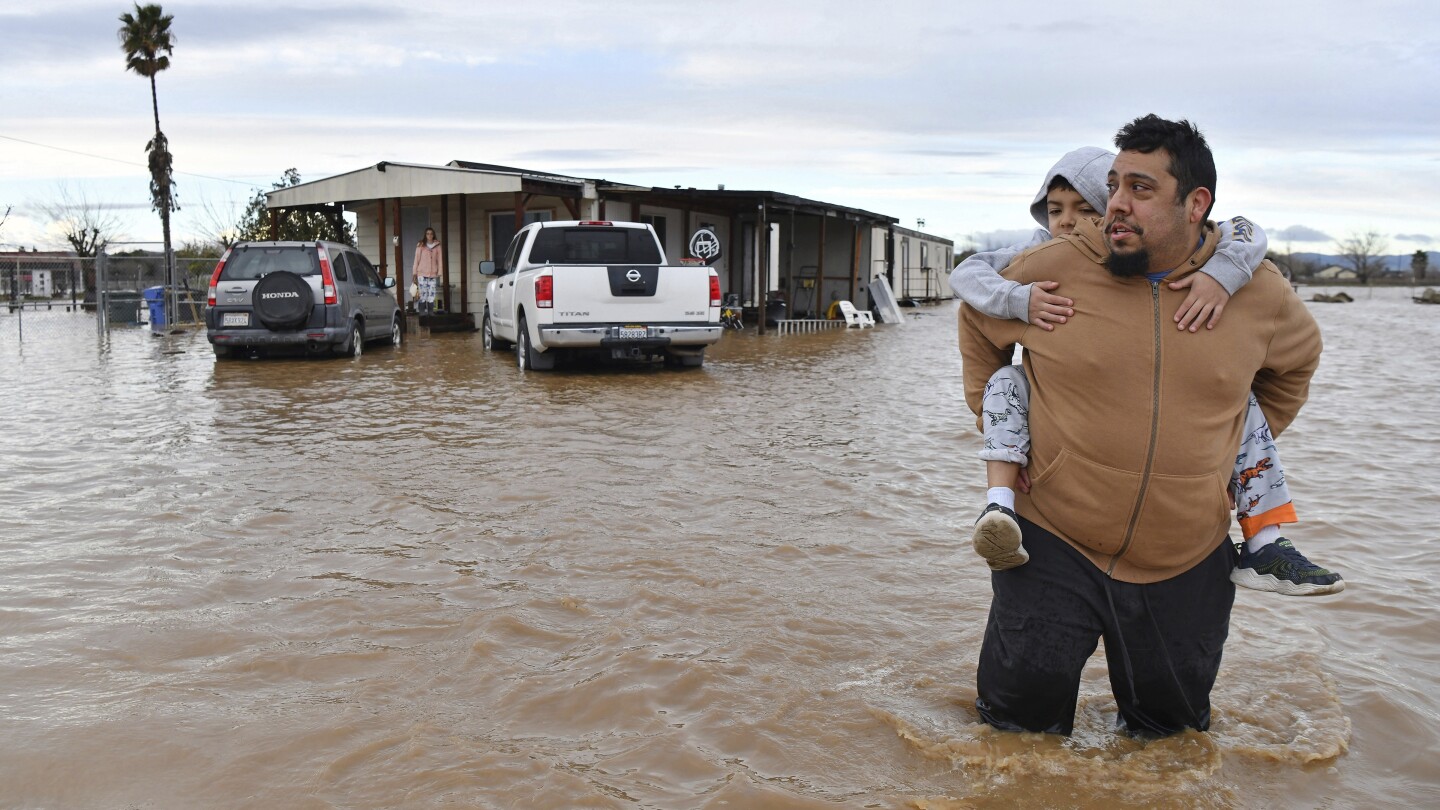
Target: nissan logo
x=632 y=276
x=280 y=295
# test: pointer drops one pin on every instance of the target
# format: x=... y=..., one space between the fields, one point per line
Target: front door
x=413 y=222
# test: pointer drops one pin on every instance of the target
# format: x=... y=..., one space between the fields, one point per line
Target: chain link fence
x=46 y=294
x=58 y=295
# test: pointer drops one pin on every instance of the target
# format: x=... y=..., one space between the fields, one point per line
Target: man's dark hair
x=1190 y=159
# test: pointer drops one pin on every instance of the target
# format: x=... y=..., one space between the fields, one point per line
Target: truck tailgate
x=639 y=294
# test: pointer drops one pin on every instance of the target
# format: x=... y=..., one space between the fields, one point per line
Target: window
x=513 y=253
x=602 y=245
x=363 y=270
x=340 y=266
x=250 y=263
x=502 y=229
x=657 y=222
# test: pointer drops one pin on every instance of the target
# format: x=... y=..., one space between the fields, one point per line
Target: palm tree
x=146 y=39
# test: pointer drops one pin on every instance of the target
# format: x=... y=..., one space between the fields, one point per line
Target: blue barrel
x=155 y=298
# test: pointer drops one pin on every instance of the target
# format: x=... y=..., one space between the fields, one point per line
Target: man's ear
x=1197 y=204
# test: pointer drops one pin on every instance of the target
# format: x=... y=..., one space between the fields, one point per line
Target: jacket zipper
x=1154 y=435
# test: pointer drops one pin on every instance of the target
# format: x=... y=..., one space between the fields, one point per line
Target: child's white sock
x=1262 y=538
x=1005 y=496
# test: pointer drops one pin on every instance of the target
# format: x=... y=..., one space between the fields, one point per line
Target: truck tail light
x=327 y=279
x=714 y=290
x=215 y=279
x=545 y=291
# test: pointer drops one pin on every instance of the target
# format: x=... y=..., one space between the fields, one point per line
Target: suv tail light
x=714 y=289
x=596 y=222
x=545 y=291
x=327 y=278
x=215 y=279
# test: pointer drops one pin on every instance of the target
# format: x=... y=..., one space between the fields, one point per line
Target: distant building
x=922 y=265
x=1336 y=273
x=39 y=274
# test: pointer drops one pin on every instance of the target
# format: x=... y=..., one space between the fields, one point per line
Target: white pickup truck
x=569 y=287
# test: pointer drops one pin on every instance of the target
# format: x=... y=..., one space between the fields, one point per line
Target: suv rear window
x=594 y=246
x=248 y=264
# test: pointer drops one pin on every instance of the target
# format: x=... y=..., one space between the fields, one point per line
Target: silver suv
x=315 y=297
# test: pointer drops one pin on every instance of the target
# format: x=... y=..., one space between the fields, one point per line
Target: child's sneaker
x=1281 y=568
x=997 y=538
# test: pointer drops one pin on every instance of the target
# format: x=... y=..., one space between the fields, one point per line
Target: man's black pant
x=1162 y=641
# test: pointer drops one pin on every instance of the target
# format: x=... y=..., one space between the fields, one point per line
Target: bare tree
x=218 y=223
x=1363 y=252
x=85 y=223
x=1282 y=262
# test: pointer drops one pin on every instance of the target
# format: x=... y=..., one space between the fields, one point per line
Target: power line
x=118 y=160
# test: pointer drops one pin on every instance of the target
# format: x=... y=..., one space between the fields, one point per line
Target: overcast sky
x=1322 y=114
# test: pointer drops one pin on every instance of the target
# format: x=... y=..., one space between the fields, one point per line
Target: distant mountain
x=1394 y=263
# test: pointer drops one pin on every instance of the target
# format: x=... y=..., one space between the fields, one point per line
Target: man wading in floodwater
x=1134 y=426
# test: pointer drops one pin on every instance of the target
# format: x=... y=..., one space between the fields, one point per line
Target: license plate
x=235 y=319
x=632 y=332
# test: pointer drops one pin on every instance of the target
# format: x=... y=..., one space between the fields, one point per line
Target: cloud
x=960 y=153
x=1299 y=233
x=576 y=155
x=993 y=240
x=1419 y=238
x=915 y=113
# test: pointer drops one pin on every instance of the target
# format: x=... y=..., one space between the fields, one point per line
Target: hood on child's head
x=1085 y=169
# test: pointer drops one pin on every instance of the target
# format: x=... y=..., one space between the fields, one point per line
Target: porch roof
x=734 y=202
x=389 y=179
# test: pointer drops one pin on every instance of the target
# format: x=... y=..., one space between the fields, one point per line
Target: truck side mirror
x=487 y=268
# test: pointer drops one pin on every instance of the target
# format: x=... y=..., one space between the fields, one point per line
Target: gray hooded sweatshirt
x=977 y=280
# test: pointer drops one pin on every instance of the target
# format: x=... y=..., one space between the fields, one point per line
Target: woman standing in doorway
x=427 y=270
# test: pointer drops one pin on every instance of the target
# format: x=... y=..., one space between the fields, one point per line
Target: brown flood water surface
x=425 y=579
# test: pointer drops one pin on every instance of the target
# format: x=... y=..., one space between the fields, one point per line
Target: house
x=773 y=245
x=40 y=273
x=922 y=266
x=1336 y=273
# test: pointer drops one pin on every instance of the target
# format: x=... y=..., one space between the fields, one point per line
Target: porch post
x=762 y=264
x=399 y=261
x=380 y=227
x=820 y=270
x=855 y=261
x=464 y=257
x=445 y=247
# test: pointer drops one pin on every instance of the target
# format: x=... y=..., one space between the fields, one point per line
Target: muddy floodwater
x=423 y=578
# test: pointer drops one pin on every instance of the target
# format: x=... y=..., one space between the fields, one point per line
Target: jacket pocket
x=1087 y=502
x=1182 y=517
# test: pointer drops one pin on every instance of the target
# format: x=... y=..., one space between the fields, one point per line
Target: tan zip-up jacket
x=1134 y=424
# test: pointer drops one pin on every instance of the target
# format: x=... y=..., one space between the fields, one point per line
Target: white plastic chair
x=855 y=317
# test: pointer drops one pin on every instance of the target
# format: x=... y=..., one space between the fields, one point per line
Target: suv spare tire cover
x=282 y=300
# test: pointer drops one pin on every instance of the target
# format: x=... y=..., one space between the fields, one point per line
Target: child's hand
x=1206 y=300
x=1046 y=308
x=1023 y=481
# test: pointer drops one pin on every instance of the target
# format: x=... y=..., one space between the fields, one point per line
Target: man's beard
x=1128 y=265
